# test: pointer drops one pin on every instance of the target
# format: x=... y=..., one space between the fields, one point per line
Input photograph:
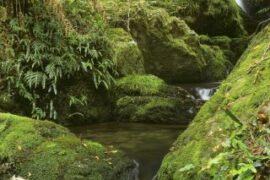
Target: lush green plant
x=51 y=43
x=245 y=154
x=82 y=100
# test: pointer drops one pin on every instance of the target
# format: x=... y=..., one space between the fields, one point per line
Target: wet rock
x=171 y=50
x=127 y=56
x=148 y=99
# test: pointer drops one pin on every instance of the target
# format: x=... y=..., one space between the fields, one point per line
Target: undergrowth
x=245 y=154
x=48 y=43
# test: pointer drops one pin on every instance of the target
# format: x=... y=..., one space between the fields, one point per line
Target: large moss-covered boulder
x=41 y=150
x=127 y=56
x=243 y=98
x=148 y=99
x=171 y=50
x=211 y=17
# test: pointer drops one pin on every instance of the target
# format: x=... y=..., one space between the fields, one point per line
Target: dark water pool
x=145 y=143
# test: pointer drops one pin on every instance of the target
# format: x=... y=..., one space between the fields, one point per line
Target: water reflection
x=147 y=144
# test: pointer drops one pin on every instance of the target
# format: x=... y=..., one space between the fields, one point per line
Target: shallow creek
x=147 y=144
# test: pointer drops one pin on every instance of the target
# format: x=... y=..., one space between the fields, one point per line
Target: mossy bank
x=43 y=150
x=245 y=94
x=148 y=99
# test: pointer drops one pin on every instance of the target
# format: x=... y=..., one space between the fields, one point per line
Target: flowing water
x=147 y=144
x=202 y=91
x=242 y=5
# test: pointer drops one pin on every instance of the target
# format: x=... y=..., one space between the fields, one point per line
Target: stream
x=147 y=144
x=202 y=91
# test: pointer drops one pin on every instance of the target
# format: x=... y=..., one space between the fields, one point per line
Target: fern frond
x=34 y=79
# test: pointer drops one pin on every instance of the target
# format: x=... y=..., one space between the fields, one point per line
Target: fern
x=35 y=79
x=44 y=52
x=78 y=101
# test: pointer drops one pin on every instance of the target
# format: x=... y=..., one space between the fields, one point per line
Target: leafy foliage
x=245 y=156
x=49 y=47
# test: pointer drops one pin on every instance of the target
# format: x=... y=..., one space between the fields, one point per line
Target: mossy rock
x=148 y=99
x=127 y=56
x=171 y=50
x=232 y=48
x=154 y=109
x=43 y=150
x=211 y=17
x=144 y=85
x=245 y=92
x=147 y=85
x=81 y=103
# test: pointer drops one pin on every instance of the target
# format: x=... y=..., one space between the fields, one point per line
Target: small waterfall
x=205 y=93
x=242 y=5
x=201 y=91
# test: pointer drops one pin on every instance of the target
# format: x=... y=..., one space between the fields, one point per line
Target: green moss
x=171 y=50
x=216 y=66
x=232 y=48
x=140 y=85
x=44 y=150
x=148 y=99
x=246 y=90
x=224 y=17
x=160 y=102
x=127 y=56
x=153 y=109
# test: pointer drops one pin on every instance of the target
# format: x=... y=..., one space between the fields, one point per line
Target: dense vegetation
x=78 y=62
x=46 y=43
